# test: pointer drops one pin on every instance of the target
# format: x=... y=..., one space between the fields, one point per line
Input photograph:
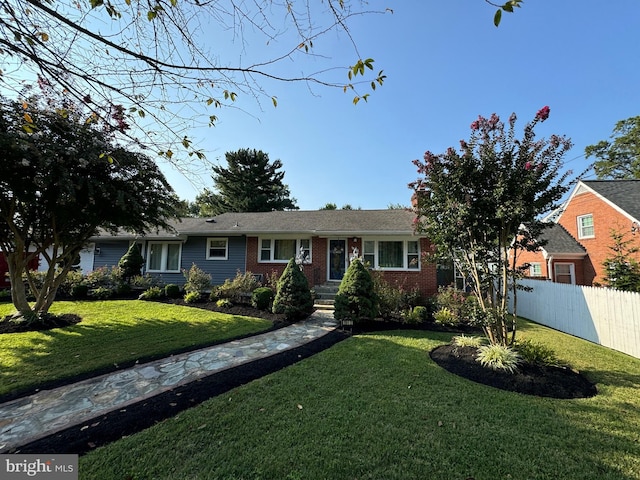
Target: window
x=284 y=249
x=164 y=257
x=392 y=254
x=217 y=249
x=585 y=226
x=564 y=273
x=535 y=269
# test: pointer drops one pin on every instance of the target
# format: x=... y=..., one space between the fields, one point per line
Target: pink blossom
x=475 y=125
x=527 y=166
x=543 y=113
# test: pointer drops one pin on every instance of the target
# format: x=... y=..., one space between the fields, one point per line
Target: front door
x=337 y=258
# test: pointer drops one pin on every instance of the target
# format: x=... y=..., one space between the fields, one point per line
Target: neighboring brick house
x=263 y=243
x=580 y=241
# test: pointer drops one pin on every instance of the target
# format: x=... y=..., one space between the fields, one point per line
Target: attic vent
x=210 y=220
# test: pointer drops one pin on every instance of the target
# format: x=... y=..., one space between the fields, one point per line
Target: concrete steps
x=325 y=295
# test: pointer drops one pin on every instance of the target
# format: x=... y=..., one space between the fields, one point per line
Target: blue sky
x=446 y=64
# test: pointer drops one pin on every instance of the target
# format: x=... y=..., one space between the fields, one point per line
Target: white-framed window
x=564 y=273
x=217 y=248
x=585 y=226
x=535 y=269
x=391 y=254
x=281 y=250
x=164 y=256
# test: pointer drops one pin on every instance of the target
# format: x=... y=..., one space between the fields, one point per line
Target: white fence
x=607 y=317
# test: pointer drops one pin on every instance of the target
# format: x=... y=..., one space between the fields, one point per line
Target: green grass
x=111 y=333
x=376 y=407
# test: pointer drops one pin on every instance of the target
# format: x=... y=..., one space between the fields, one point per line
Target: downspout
x=549 y=271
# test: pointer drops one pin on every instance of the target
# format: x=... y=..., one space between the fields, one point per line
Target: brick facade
x=316 y=272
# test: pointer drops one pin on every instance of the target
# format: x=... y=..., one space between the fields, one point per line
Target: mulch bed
x=539 y=380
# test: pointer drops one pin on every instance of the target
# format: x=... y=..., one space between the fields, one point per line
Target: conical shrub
x=293 y=296
x=356 y=299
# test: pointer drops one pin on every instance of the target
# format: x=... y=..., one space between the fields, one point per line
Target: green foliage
x=145 y=281
x=249 y=183
x=104 y=277
x=261 y=298
x=101 y=293
x=620 y=157
x=356 y=299
x=507 y=7
x=192 y=297
x=198 y=280
x=241 y=284
x=535 y=352
x=224 y=303
x=499 y=357
x=464 y=341
x=472 y=202
x=293 y=296
x=445 y=316
x=151 y=293
x=393 y=299
x=59 y=189
x=172 y=290
x=622 y=270
x=131 y=262
x=415 y=316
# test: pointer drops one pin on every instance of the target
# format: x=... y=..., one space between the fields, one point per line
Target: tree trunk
x=18 y=263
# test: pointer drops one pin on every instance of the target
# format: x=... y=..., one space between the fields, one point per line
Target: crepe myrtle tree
x=64 y=178
x=481 y=204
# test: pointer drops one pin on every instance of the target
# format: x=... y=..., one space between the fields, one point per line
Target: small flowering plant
x=473 y=202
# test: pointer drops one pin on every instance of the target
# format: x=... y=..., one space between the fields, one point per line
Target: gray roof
x=624 y=193
x=311 y=222
x=560 y=241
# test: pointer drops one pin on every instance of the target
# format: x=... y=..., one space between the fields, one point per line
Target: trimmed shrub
x=197 y=280
x=293 y=297
x=242 y=284
x=261 y=298
x=101 y=293
x=356 y=299
x=172 y=290
x=131 y=263
x=151 y=293
x=192 y=297
x=80 y=290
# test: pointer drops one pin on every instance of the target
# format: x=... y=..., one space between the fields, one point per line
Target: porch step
x=326 y=294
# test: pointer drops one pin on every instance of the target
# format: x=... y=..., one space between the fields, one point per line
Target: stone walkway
x=26 y=419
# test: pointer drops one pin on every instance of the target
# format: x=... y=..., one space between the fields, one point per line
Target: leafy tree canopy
x=473 y=201
x=161 y=60
x=249 y=183
x=622 y=269
x=63 y=178
x=618 y=158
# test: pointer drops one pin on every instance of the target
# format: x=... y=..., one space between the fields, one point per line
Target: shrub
x=131 y=262
x=197 y=280
x=293 y=297
x=80 y=290
x=261 y=298
x=463 y=341
x=445 y=316
x=421 y=312
x=242 y=284
x=104 y=277
x=151 y=293
x=145 y=281
x=224 y=303
x=101 y=293
x=499 y=357
x=5 y=295
x=123 y=288
x=536 y=353
x=172 y=290
x=389 y=297
x=73 y=279
x=356 y=299
x=192 y=297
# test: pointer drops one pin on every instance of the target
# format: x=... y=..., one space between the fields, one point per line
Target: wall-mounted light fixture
x=97 y=250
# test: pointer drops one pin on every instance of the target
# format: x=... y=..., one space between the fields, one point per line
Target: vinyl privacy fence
x=607 y=317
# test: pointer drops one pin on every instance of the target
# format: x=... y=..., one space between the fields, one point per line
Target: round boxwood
x=261 y=298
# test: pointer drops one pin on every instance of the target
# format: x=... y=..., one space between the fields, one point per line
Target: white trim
x=572 y=272
x=581 y=235
x=532 y=270
x=163 y=256
x=582 y=188
x=405 y=253
x=272 y=248
x=208 y=248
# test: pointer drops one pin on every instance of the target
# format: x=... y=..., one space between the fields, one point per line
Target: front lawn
x=377 y=407
x=112 y=334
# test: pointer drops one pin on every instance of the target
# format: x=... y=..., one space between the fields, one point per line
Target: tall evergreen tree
x=249 y=183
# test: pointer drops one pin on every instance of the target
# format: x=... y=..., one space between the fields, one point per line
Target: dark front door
x=337 y=258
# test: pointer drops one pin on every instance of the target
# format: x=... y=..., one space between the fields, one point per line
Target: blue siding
x=194 y=250
x=110 y=253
